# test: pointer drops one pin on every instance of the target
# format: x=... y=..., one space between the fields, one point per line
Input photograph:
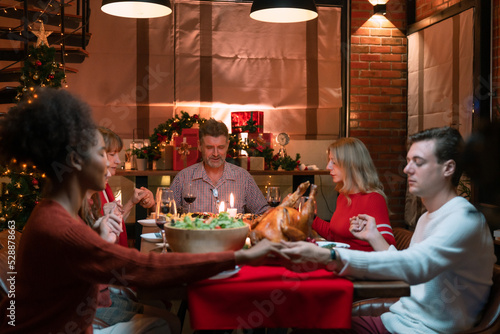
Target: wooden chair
x=403 y=237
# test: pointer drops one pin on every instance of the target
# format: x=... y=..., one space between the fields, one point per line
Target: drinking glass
x=165 y=204
x=189 y=195
x=273 y=196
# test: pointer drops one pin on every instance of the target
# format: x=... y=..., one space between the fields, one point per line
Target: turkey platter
x=284 y=222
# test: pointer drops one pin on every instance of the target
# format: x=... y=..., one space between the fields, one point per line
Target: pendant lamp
x=139 y=9
x=283 y=11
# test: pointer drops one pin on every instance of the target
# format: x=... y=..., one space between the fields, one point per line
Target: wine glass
x=165 y=204
x=189 y=195
x=273 y=196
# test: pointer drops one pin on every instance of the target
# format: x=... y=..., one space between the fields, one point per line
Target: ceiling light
x=283 y=11
x=139 y=9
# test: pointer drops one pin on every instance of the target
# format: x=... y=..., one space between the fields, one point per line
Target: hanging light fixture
x=283 y=11
x=139 y=9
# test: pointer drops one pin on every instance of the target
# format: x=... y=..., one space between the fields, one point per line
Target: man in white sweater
x=449 y=263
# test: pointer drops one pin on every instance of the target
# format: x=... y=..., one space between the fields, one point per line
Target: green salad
x=220 y=221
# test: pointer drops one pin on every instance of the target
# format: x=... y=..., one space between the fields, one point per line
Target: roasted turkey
x=284 y=222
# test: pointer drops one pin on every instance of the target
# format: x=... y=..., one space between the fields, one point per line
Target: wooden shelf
x=122 y=172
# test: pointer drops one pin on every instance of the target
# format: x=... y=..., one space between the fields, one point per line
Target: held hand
x=306 y=256
x=264 y=252
x=113 y=207
x=364 y=227
x=108 y=227
x=144 y=197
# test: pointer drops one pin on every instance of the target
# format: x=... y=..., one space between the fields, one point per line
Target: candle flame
x=221 y=207
x=231 y=200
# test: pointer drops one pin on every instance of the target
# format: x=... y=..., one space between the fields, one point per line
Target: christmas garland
x=165 y=131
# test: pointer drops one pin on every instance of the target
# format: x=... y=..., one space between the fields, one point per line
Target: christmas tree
x=21 y=182
x=19 y=196
x=40 y=68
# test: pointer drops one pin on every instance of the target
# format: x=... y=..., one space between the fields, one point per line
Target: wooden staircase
x=70 y=37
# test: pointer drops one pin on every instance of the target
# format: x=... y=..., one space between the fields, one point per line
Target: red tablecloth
x=271 y=297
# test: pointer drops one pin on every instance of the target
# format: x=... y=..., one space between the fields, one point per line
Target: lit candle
x=232 y=211
x=221 y=207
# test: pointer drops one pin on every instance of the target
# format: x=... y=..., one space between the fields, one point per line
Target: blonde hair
x=112 y=142
x=359 y=171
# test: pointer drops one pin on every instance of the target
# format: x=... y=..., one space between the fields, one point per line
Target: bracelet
x=333 y=254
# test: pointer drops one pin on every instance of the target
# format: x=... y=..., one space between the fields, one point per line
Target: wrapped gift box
x=252 y=163
x=189 y=136
x=240 y=118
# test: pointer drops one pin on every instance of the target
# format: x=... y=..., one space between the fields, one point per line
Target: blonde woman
x=143 y=196
x=360 y=193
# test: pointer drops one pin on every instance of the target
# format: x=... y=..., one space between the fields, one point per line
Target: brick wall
x=425 y=8
x=378 y=113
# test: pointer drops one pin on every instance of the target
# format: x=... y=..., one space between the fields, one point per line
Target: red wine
x=273 y=204
x=161 y=224
x=189 y=199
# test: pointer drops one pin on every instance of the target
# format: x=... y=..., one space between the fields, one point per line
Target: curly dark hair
x=45 y=131
x=213 y=128
x=449 y=146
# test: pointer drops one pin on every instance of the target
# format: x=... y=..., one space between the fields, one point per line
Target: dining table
x=272 y=297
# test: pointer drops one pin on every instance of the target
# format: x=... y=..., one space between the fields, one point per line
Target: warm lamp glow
x=283 y=11
x=140 y=9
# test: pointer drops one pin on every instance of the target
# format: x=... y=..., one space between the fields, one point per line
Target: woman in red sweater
x=360 y=192
x=61 y=260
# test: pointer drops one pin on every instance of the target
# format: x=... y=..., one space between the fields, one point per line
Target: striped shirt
x=248 y=198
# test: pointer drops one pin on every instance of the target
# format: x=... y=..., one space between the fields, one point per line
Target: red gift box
x=189 y=137
x=240 y=118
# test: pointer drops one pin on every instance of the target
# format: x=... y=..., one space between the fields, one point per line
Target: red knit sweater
x=337 y=229
x=60 y=260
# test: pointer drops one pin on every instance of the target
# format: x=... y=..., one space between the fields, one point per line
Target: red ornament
x=34 y=182
x=38 y=63
x=51 y=76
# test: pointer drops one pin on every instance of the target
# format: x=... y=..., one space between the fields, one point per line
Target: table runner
x=271 y=297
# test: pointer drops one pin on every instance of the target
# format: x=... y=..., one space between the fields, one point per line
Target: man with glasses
x=214 y=180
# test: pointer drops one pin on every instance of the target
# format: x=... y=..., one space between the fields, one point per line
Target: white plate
x=152 y=237
x=227 y=273
x=337 y=244
x=147 y=222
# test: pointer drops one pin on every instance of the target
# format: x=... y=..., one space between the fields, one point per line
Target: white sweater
x=449 y=265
